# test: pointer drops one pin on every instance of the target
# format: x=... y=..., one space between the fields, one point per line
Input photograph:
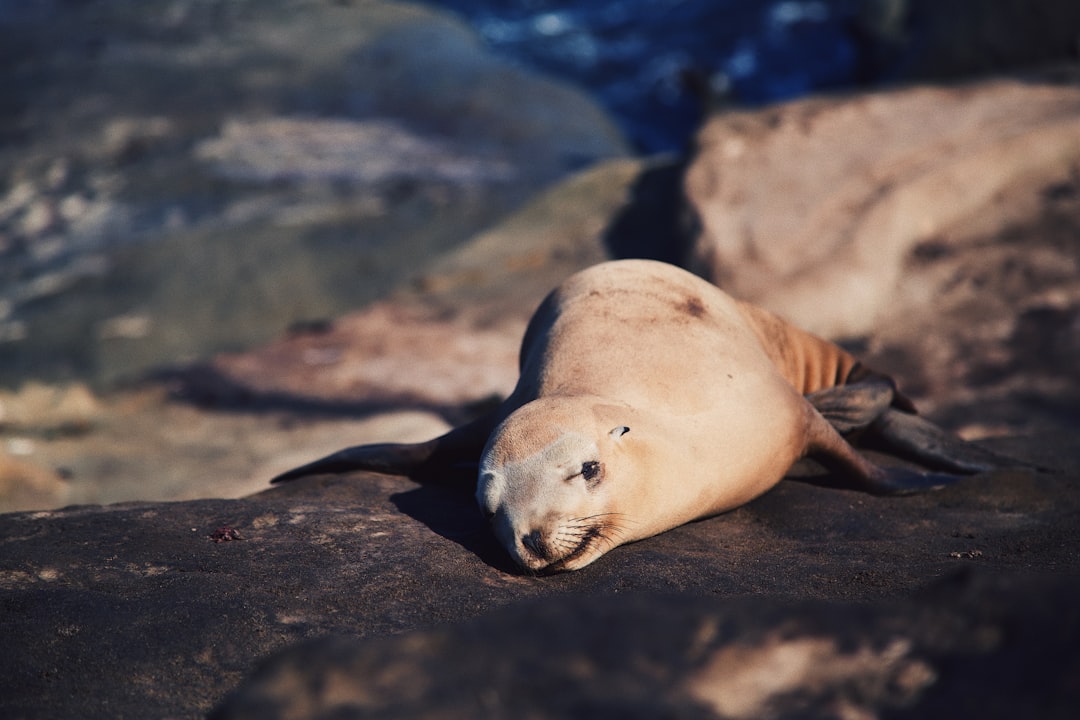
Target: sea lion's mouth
x=583 y=546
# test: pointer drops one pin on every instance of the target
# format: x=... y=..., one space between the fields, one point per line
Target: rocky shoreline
x=331 y=260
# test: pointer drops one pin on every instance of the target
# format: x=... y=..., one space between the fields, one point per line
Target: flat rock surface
x=163 y=613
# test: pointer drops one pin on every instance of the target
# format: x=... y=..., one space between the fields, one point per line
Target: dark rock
x=140 y=602
x=646 y=655
x=953 y=38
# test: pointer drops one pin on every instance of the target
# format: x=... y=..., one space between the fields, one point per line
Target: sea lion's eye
x=591 y=471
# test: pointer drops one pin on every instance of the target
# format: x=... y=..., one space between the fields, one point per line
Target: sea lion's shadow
x=453 y=514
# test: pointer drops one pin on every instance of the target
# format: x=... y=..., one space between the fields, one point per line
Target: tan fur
x=712 y=393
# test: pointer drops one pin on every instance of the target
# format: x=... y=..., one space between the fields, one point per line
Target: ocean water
x=649 y=61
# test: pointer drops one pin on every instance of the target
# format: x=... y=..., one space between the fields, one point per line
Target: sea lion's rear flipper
x=886 y=420
x=851 y=470
x=908 y=435
x=854 y=406
x=896 y=481
x=449 y=459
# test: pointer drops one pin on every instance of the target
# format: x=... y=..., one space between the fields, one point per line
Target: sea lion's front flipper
x=449 y=459
x=390 y=458
x=917 y=438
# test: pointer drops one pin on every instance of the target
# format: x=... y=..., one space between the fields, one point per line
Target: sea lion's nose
x=534 y=543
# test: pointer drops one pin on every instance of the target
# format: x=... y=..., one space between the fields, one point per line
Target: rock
x=166 y=608
x=301 y=158
x=950 y=303
x=26 y=485
x=665 y=656
x=40 y=408
x=450 y=336
x=369 y=152
x=388 y=355
x=984 y=328
x=35 y=416
x=812 y=208
x=144 y=446
x=952 y=38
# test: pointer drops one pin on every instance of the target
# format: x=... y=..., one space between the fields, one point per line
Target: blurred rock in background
x=181 y=178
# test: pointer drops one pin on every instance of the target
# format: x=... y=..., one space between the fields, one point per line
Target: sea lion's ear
x=618 y=432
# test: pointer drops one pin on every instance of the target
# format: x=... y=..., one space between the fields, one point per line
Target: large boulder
x=813 y=208
x=196 y=177
x=941 y=246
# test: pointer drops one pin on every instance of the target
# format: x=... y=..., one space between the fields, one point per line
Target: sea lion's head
x=548 y=483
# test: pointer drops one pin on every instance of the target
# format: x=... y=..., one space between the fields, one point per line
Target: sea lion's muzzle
x=535 y=545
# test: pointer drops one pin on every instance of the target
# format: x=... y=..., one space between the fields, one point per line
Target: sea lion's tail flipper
x=449 y=459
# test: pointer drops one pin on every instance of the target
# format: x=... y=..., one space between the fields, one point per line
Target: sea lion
x=648 y=398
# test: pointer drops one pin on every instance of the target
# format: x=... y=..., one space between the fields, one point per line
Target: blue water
x=640 y=58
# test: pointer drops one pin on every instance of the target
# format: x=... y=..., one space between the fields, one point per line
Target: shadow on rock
x=655 y=224
x=205 y=386
x=648 y=656
x=453 y=514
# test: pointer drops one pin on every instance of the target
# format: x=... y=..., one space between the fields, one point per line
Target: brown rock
x=641 y=655
x=389 y=354
x=812 y=208
x=37 y=407
x=26 y=485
